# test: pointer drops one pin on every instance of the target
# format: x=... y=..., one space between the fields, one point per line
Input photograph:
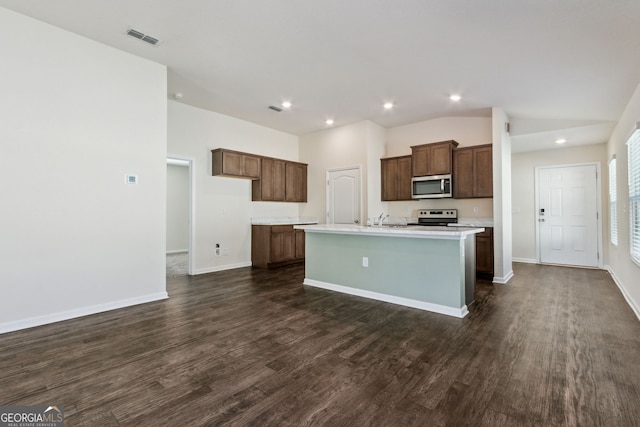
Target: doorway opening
x=569 y=226
x=179 y=242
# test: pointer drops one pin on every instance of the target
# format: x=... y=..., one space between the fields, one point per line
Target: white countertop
x=284 y=220
x=414 y=231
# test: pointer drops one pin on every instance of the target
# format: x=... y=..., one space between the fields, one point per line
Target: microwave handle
x=442 y=186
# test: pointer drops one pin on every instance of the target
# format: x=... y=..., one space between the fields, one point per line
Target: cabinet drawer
x=282 y=229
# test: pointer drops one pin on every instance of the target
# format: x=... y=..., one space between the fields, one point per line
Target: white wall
x=523 y=190
x=345 y=146
x=177 y=208
x=76 y=116
x=223 y=206
x=376 y=147
x=625 y=272
x=466 y=131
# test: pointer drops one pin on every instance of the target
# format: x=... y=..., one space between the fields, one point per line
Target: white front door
x=568 y=215
x=343 y=196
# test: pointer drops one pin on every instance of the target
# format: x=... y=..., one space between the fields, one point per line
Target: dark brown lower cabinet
x=276 y=245
x=484 y=253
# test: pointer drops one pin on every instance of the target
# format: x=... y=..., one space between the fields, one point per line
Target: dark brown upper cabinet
x=473 y=172
x=281 y=181
x=396 y=178
x=270 y=186
x=432 y=159
x=235 y=164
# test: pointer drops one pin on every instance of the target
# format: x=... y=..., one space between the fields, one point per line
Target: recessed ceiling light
x=329 y=122
x=560 y=141
x=455 y=97
x=286 y=104
x=388 y=105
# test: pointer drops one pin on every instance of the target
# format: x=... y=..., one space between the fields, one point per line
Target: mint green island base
x=429 y=268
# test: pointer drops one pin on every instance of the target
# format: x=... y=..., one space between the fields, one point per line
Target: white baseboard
x=80 y=312
x=427 y=306
x=634 y=305
x=222 y=268
x=178 y=251
x=525 y=260
x=503 y=280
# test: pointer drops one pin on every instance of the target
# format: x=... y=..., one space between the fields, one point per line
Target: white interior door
x=343 y=196
x=568 y=215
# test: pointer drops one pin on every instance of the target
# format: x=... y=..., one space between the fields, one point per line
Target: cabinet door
x=296 y=182
x=266 y=180
x=260 y=245
x=389 y=174
x=463 y=173
x=300 y=253
x=395 y=173
x=484 y=252
x=279 y=174
x=421 y=159
x=403 y=181
x=483 y=172
x=251 y=166
x=283 y=243
x=232 y=163
x=440 y=162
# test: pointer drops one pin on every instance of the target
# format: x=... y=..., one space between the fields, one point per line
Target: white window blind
x=613 y=202
x=633 y=147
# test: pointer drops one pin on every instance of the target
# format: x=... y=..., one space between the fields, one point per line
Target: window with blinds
x=613 y=202
x=633 y=147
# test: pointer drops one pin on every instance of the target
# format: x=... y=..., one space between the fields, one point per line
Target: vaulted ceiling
x=559 y=69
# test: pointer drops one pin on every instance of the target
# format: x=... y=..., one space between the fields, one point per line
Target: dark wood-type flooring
x=557 y=346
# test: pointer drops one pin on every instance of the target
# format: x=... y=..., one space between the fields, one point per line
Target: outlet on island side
x=365 y=261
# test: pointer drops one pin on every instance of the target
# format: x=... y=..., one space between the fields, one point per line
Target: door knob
x=541 y=220
x=357 y=221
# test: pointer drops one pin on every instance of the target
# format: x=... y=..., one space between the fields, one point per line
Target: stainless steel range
x=437 y=217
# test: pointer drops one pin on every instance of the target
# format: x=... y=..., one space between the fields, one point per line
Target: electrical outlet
x=365 y=261
x=475 y=209
x=218 y=249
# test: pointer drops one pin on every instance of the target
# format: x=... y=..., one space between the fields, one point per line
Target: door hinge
x=328 y=182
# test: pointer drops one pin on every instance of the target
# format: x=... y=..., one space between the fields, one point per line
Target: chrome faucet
x=381 y=218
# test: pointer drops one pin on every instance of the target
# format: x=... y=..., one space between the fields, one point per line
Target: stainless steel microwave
x=431 y=187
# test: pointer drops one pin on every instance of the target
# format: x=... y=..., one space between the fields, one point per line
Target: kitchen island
x=429 y=268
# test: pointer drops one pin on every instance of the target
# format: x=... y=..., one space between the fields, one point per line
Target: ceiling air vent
x=142 y=36
x=274 y=108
